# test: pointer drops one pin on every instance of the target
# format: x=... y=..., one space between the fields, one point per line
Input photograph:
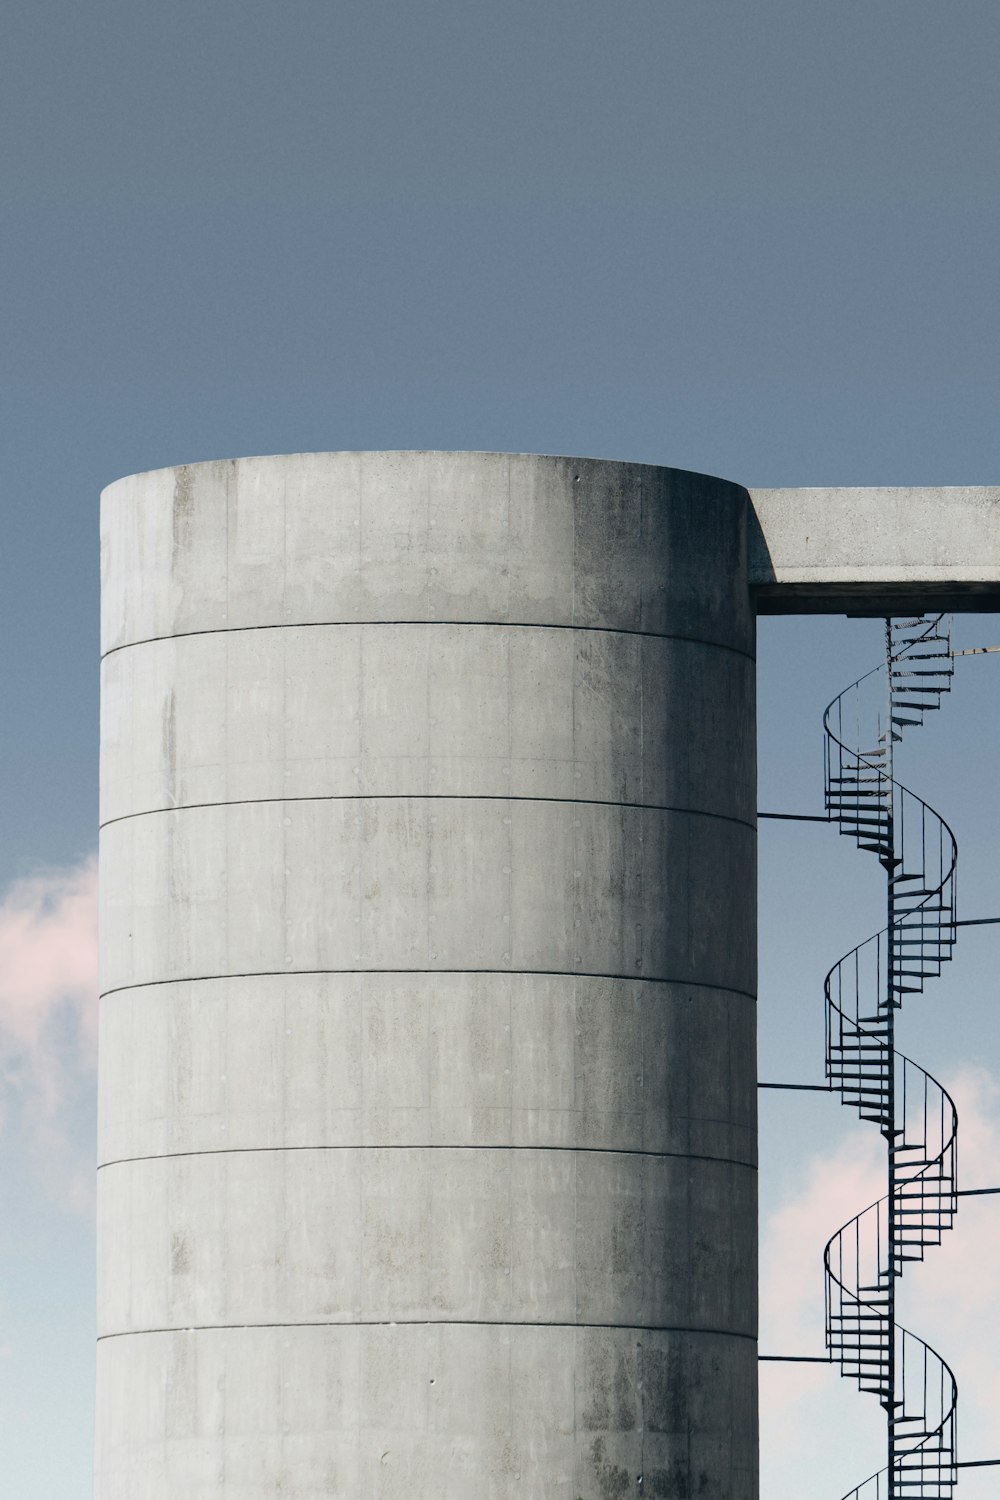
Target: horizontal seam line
x=700 y=984
x=725 y=1161
x=131 y=1333
x=656 y=635
x=693 y=812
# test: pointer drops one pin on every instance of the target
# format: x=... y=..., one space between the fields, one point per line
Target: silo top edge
x=384 y=453
x=424 y=535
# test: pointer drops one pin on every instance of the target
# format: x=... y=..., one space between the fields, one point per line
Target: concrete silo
x=427 y=1091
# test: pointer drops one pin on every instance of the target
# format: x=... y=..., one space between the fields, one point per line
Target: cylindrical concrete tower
x=427 y=1040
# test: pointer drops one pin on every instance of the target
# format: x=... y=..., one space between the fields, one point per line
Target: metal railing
x=917 y=1117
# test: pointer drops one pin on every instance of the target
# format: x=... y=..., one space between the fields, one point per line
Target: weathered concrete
x=443 y=1410
x=528 y=1060
x=875 y=551
x=427 y=1037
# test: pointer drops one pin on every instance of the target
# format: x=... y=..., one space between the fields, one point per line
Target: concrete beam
x=875 y=551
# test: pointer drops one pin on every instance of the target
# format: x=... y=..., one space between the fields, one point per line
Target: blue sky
x=758 y=240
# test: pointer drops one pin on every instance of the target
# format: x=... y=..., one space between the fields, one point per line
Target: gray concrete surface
x=443 y=1410
x=427 y=1084
x=875 y=551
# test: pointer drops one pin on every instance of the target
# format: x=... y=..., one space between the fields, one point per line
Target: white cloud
x=806 y=1411
x=48 y=1019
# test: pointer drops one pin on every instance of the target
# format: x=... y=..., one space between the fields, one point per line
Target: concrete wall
x=427 y=1091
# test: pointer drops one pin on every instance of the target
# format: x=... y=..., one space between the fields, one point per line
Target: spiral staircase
x=917 y=1117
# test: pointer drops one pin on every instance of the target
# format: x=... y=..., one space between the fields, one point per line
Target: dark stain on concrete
x=665 y=1402
x=612 y=1403
x=183 y=515
x=180 y=1255
x=170 y=744
x=612 y=1480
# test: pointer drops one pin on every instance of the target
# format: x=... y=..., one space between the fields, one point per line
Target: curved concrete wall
x=427 y=1040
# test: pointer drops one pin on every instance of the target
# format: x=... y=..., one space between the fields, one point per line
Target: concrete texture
x=443 y=1410
x=875 y=551
x=427 y=1093
x=235 y=716
x=529 y=1060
